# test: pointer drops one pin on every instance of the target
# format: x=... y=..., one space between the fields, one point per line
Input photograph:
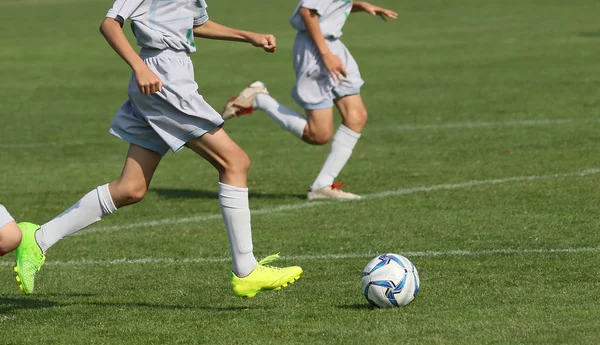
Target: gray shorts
x=5 y=217
x=314 y=88
x=170 y=118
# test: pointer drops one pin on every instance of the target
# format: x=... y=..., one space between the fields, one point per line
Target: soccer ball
x=390 y=280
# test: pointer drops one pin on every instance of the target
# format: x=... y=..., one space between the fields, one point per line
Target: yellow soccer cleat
x=29 y=258
x=265 y=278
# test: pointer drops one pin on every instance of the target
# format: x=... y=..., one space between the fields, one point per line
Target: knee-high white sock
x=236 y=214
x=87 y=211
x=288 y=119
x=342 y=146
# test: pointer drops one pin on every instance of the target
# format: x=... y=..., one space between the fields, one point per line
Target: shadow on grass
x=203 y=194
x=169 y=306
x=590 y=34
x=8 y=304
x=357 y=306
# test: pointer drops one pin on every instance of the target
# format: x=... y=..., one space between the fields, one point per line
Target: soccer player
x=164 y=111
x=10 y=234
x=326 y=75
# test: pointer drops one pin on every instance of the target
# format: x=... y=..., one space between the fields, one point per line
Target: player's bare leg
x=353 y=111
x=133 y=183
x=315 y=129
x=319 y=126
x=320 y=131
x=249 y=276
x=128 y=189
x=10 y=237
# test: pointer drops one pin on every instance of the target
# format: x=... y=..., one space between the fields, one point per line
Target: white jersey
x=159 y=24
x=332 y=15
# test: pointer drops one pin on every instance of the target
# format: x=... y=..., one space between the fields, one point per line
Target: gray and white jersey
x=332 y=15
x=160 y=24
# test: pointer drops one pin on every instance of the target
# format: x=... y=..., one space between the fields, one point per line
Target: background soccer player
x=164 y=111
x=326 y=75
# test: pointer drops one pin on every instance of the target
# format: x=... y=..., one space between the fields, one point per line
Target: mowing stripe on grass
x=319 y=257
x=310 y=204
x=408 y=127
x=54 y=144
x=516 y=123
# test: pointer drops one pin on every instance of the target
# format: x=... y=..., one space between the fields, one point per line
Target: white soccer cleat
x=243 y=103
x=331 y=192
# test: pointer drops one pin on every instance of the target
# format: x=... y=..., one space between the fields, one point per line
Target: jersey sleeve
x=123 y=9
x=318 y=5
x=202 y=16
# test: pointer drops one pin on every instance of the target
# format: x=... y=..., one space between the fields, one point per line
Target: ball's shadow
x=357 y=306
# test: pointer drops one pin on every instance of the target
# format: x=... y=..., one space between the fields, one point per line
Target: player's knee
x=136 y=193
x=321 y=140
x=356 y=120
x=130 y=193
x=238 y=164
x=363 y=117
x=319 y=137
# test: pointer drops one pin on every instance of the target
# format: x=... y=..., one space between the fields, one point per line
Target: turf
x=479 y=162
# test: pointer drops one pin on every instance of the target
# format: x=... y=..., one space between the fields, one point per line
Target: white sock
x=236 y=214
x=288 y=119
x=342 y=146
x=87 y=211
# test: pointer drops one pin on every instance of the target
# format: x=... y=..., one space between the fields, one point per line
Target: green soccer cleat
x=265 y=278
x=29 y=258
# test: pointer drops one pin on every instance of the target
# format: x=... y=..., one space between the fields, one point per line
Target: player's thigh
x=353 y=111
x=138 y=170
x=221 y=151
x=320 y=124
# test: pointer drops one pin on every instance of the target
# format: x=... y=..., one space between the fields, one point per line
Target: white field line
x=301 y=258
x=311 y=204
x=408 y=127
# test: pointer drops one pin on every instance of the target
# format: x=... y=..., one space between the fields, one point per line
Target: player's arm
x=362 y=6
x=216 y=31
x=333 y=63
x=147 y=81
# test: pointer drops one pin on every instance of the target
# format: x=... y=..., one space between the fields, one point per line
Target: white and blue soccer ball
x=390 y=280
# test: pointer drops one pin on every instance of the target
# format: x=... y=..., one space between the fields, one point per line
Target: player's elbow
x=103 y=27
x=109 y=24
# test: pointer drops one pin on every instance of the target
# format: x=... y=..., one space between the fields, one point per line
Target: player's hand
x=147 y=81
x=335 y=66
x=267 y=42
x=379 y=11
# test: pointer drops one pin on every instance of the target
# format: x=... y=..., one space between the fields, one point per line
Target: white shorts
x=5 y=217
x=315 y=88
x=170 y=118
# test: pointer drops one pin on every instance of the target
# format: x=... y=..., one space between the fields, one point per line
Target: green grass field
x=480 y=162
